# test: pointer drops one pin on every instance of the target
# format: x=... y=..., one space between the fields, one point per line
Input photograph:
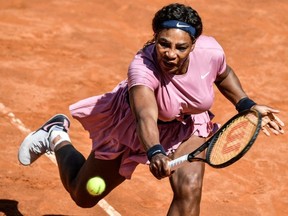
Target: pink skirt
x=112 y=128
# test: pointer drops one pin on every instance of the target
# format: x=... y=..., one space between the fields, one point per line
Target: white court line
x=18 y=123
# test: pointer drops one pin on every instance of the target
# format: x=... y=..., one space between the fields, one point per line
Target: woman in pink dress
x=159 y=113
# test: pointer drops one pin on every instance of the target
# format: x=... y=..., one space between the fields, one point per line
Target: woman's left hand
x=270 y=121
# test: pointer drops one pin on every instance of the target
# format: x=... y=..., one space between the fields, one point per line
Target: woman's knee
x=194 y=183
x=83 y=199
x=188 y=186
x=187 y=181
x=86 y=202
x=108 y=170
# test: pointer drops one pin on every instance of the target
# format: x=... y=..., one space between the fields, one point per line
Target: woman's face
x=173 y=47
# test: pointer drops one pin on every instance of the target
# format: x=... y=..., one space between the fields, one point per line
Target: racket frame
x=191 y=157
x=245 y=149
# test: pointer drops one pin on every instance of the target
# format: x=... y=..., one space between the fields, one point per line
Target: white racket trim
x=178 y=162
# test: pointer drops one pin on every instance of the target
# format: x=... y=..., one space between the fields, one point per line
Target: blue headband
x=179 y=25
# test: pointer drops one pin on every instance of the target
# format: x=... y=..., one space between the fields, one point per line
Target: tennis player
x=160 y=112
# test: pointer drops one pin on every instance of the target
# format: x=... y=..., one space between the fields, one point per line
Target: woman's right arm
x=144 y=107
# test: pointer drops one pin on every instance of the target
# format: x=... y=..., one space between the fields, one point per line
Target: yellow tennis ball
x=95 y=186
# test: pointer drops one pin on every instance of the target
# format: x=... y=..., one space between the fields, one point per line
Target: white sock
x=55 y=133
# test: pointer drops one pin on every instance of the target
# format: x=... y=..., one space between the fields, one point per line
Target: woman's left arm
x=230 y=86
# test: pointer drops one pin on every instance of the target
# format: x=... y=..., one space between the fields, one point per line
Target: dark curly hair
x=180 y=12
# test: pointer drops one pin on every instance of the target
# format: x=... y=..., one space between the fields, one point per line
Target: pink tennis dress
x=183 y=103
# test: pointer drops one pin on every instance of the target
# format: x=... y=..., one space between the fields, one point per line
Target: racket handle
x=178 y=162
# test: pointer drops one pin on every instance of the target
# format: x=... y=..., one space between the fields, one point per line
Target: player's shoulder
x=208 y=42
x=145 y=58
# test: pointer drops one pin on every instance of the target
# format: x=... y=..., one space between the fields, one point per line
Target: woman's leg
x=75 y=171
x=186 y=182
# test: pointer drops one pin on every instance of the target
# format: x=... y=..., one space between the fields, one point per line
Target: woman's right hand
x=159 y=166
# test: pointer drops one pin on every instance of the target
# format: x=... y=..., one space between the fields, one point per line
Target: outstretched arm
x=230 y=86
x=145 y=110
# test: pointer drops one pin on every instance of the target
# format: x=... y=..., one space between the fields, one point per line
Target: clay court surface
x=54 y=53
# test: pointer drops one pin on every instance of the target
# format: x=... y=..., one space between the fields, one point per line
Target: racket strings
x=233 y=140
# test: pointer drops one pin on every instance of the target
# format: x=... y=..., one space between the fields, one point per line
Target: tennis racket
x=228 y=144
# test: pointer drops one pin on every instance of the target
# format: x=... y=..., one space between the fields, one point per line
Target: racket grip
x=178 y=162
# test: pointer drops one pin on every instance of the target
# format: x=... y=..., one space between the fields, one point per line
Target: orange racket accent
x=233 y=140
x=228 y=144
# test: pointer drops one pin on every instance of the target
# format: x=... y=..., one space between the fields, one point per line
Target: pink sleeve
x=220 y=63
x=207 y=48
x=219 y=58
x=141 y=72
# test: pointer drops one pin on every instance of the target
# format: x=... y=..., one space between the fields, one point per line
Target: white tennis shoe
x=37 y=143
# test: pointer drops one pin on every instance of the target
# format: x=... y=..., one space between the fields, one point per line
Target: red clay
x=53 y=53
